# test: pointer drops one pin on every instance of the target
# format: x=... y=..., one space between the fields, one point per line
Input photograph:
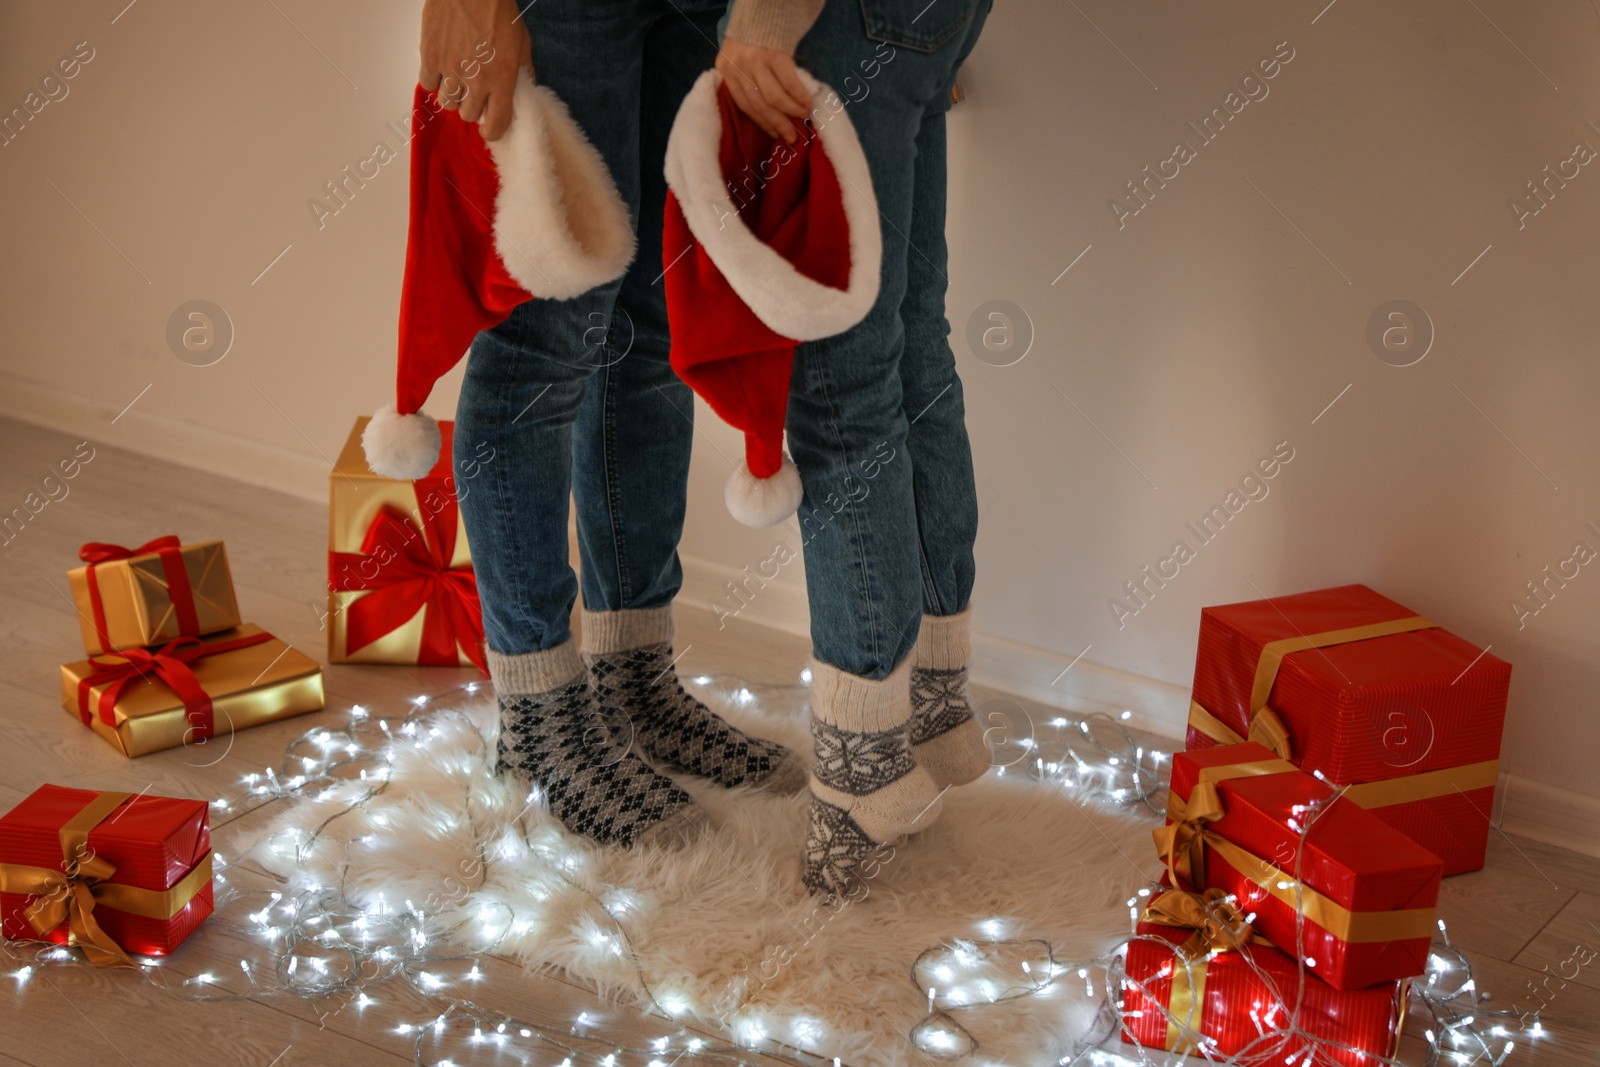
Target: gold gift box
x=138 y=608
x=355 y=497
x=248 y=686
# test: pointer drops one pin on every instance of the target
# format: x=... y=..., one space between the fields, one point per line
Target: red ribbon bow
x=409 y=572
x=169 y=664
x=178 y=588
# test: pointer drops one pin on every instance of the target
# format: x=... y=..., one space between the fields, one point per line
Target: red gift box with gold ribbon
x=1347 y=683
x=1241 y=820
x=112 y=873
x=1185 y=985
x=400 y=581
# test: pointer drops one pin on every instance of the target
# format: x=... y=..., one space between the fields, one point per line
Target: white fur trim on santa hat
x=401 y=446
x=763 y=502
x=560 y=225
x=790 y=303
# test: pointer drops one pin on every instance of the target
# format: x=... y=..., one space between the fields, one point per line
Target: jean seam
x=854 y=539
x=503 y=510
x=613 y=494
x=930 y=588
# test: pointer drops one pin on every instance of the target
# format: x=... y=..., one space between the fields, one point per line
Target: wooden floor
x=1533 y=908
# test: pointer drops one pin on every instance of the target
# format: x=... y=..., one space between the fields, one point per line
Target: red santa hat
x=493 y=224
x=766 y=245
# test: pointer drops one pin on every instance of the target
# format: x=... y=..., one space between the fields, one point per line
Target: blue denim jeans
x=876 y=419
x=577 y=396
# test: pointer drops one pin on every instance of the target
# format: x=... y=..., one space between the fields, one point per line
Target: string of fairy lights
x=314 y=943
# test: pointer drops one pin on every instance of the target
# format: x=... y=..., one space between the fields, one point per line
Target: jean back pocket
x=920 y=25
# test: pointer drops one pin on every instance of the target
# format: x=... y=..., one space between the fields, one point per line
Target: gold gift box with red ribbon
x=148 y=595
x=190 y=689
x=400 y=583
x=108 y=872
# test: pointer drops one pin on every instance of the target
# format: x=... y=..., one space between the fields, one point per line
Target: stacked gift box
x=170 y=662
x=1342 y=758
x=1286 y=911
x=1347 y=684
x=400 y=583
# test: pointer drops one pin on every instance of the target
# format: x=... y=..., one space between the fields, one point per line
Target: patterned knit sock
x=630 y=656
x=866 y=787
x=945 y=736
x=552 y=733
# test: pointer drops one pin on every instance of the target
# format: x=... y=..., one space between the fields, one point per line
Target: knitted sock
x=866 y=787
x=552 y=732
x=945 y=736
x=630 y=657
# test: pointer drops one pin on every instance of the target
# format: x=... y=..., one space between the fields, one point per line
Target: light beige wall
x=1216 y=323
x=1213 y=326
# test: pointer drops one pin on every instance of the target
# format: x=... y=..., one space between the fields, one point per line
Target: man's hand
x=765 y=85
x=471 y=52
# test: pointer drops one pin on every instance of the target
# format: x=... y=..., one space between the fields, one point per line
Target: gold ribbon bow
x=72 y=897
x=1266 y=728
x=84 y=882
x=1181 y=844
x=1219 y=924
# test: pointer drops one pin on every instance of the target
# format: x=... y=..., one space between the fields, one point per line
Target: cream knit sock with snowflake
x=866 y=787
x=945 y=736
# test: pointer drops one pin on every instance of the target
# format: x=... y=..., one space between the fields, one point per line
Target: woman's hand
x=765 y=85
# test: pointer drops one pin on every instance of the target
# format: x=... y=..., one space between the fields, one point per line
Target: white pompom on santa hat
x=766 y=245
x=493 y=224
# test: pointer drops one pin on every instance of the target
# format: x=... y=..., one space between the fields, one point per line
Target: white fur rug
x=722 y=934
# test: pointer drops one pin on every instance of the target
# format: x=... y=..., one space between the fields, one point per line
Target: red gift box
x=1350 y=684
x=1367 y=892
x=110 y=872
x=1235 y=997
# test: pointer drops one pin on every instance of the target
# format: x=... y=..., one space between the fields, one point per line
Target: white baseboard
x=1036 y=674
x=189 y=444
x=1550 y=814
x=1524 y=807
x=1079 y=683
x=779 y=604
